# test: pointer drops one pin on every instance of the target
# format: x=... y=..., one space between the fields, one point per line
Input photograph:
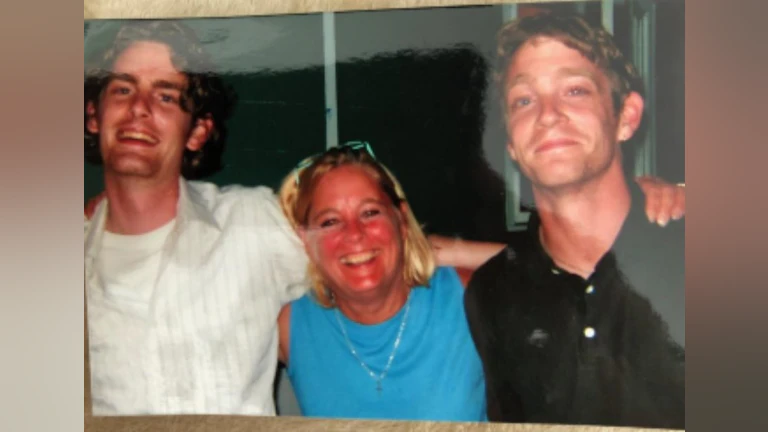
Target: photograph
x=466 y=213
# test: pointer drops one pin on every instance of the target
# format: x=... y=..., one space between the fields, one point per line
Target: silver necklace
x=352 y=349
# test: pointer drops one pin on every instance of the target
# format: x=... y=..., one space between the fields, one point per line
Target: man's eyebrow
x=161 y=84
x=169 y=85
x=518 y=79
x=562 y=72
x=568 y=71
x=123 y=77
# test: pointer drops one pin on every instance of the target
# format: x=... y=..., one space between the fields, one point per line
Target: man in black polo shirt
x=583 y=321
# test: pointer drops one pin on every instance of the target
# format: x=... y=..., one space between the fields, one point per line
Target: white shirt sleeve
x=288 y=260
x=290 y=265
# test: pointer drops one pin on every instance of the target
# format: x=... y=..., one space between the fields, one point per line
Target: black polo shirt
x=608 y=350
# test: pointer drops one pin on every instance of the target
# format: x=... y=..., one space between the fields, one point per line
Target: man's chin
x=558 y=184
x=131 y=168
x=556 y=180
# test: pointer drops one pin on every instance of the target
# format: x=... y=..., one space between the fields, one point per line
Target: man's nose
x=549 y=111
x=140 y=105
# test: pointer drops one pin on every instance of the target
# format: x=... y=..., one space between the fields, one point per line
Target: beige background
x=108 y=9
x=101 y=9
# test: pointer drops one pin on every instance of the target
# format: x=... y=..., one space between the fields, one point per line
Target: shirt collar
x=540 y=259
x=191 y=208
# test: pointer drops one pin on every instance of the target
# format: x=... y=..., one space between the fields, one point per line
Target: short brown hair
x=594 y=43
x=296 y=197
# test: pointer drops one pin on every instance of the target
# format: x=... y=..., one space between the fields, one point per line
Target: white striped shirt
x=204 y=338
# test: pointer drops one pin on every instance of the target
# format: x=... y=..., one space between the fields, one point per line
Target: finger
x=667 y=202
x=649 y=186
x=652 y=203
x=678 y=210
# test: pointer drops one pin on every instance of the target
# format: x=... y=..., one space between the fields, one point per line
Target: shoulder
x=497 y=269
x=445 y=283
x=640 y=318
x=444 y=276
x=255 y=206
x=248 y=211
x=497 y=283
x=303 y=302
x=305 y=315
x=215 y=195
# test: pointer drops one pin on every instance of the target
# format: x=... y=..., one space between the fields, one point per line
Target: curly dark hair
x=594 y=43
x=206 y=94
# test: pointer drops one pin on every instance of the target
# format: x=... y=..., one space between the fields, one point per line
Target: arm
x=664 y=201
x=284 y=330
x=466 y=254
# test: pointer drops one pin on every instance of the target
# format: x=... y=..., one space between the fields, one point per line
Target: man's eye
x=521 y=102
x=578 y=91
x=168 y=98
x=120 y=90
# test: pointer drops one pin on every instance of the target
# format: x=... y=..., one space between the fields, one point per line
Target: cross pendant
x=378 y=386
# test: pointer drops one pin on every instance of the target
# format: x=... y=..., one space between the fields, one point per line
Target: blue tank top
x=436 y=373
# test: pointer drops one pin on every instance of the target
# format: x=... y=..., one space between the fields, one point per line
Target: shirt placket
x=583 y=295
x=588 y=294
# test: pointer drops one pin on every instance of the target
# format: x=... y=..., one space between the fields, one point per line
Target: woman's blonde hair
x=296 y=198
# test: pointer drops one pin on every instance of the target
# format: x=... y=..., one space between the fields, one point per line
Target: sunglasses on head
x=353 y=146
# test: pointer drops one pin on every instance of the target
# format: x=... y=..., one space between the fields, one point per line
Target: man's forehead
x=145 y=55
x=549 y=49
x=547 y=54
x=558 y=71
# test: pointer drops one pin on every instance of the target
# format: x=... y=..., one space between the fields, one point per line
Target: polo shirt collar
x=540 y=260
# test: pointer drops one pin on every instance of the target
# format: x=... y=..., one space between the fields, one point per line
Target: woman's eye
x=328 y=223
x=371 y=213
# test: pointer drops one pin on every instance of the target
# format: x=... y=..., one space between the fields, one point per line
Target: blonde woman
x=382 y=333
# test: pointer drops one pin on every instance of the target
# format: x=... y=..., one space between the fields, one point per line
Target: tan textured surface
x=297 y=424
x=101 y=9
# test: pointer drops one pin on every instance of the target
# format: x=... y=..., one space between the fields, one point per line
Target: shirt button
x=589 y=332
x=590 y=289
x=555 y=271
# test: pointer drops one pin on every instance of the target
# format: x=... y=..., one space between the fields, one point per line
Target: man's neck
x=579 y=226
x=136 y=207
